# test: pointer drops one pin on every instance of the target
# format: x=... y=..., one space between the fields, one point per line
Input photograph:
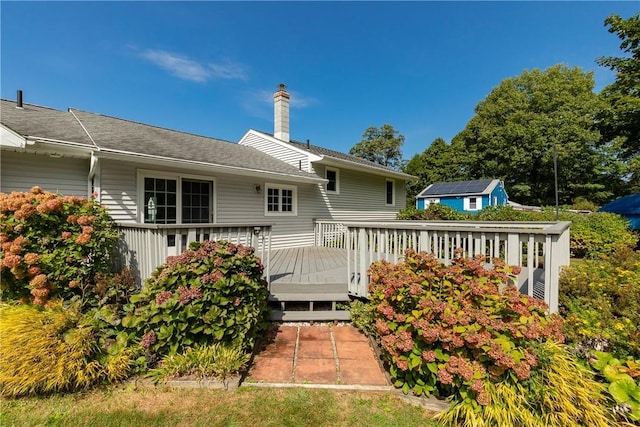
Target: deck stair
x=304 y=302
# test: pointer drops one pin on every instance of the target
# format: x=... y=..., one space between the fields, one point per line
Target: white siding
x=281 y=152
x=236 y=201
x=362 y=196
x=118 y=189
x=22 y=171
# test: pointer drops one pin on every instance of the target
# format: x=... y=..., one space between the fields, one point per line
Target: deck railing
x=143 y=247
x=540 y=248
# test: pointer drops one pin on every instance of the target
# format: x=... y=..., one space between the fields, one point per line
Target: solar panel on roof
x=458 y=187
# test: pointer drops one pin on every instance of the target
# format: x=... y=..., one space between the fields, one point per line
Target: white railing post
x=366 y=242
x=513 y=249
x=146 y=246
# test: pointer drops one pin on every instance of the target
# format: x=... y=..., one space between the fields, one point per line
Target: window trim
x=148 y=173
x=337 y=172
x=280 y=187
x=393 y=192
x=467 y=203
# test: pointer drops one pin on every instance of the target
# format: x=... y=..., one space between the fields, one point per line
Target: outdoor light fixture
x=258 y=188
x=257 y=230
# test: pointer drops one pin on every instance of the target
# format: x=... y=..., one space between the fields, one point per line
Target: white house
x=332 y=214
x=150 y=175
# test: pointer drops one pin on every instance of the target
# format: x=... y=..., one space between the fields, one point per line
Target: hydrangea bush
x=53 y=246
x=213 y=292
x=451 y=330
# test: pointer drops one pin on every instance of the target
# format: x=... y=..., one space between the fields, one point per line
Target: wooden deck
x=307 y=283
x=311 y=265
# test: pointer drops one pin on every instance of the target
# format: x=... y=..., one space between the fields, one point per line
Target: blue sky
x=211 y=68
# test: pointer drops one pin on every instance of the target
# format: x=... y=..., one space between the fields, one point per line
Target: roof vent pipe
x=19 y=99
x=308 y=144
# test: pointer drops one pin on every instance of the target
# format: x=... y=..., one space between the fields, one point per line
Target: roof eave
x=209 y=167
x=334 y=161
x=313 y=157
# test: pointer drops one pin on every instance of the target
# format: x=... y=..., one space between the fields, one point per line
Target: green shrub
x=503 y=213
x=449 y=330
x=599 y=233
x=560 y=393
x=582 y=204
x=622 y=378
x=211 y=293
x=362 y=316
x=600 y=301
x=202 y=362
x=53 y=246
x=50 y=349
x=433 y=212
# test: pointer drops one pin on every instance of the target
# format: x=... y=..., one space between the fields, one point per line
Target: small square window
x=280 y=200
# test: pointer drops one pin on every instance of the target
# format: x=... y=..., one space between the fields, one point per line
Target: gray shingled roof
x=42 y=122
x=118 y=134
x=111 y=133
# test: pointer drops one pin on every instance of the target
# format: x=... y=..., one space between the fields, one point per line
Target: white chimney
x=281 y=113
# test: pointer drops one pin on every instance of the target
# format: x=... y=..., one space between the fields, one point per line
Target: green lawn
x=247 y=406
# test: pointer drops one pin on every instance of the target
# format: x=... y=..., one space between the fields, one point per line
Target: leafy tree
x=380 y=145
x=438 y=163
x=622 y=117
x=527 y=120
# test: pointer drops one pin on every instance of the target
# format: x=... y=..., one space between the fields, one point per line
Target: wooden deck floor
x=309 y=269
x=309 y=265
x=315 y=277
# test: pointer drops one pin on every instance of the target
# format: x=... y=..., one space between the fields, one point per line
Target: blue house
x=628 y=207
x=464 y=196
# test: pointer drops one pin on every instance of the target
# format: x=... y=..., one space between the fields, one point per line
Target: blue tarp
x=628 y=207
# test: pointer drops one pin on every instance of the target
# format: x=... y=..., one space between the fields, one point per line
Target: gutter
x=119 y=154
x=30 y=140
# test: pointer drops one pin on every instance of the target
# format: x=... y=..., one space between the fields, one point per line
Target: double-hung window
x=280 y=200
x=175 y=199
x=472 y=203
x=333 y=178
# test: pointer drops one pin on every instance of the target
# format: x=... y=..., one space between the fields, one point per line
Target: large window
x=333 y=176
x=176 y=199
x=196 y=201
x=390 y=192
x=160 y=200
x=280 y=200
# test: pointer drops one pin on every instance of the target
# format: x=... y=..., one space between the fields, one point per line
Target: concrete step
x=308 y=316
x=317 y=296
x=308 y=302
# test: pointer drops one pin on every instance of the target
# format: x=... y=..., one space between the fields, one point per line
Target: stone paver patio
x=337 y=355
